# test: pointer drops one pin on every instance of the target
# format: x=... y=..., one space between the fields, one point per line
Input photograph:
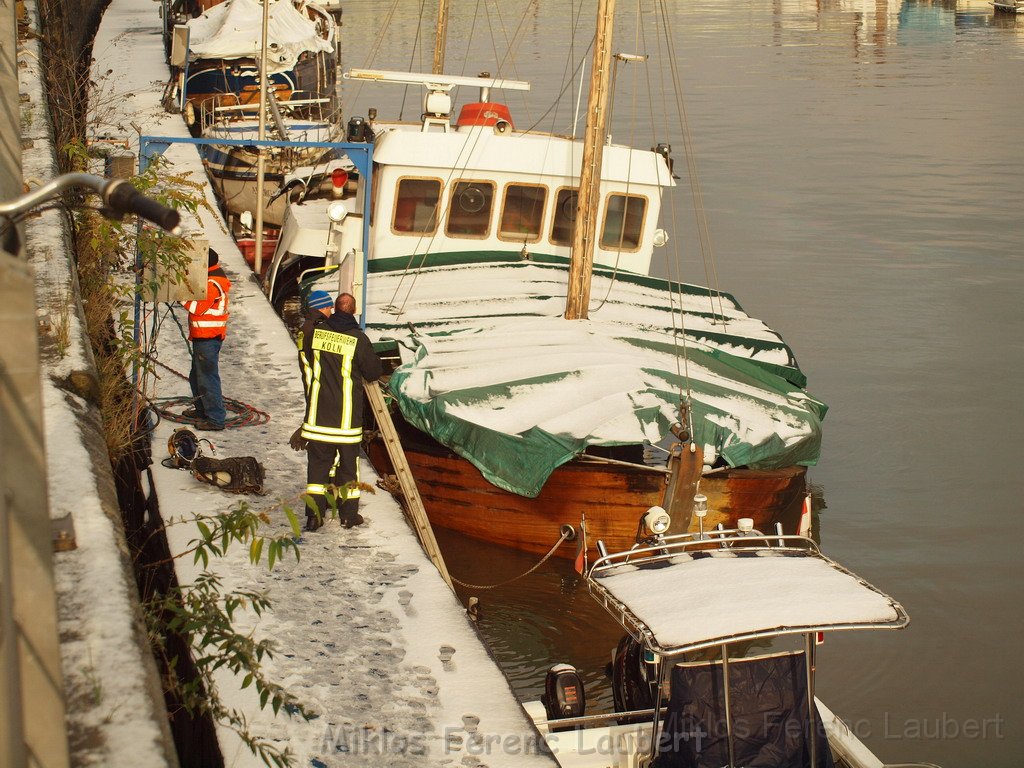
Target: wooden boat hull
x=613 y=496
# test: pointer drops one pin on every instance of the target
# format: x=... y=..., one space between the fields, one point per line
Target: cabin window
x=623 y=222
x=416 y=206
x=522 y=214
x=469 y=212
x=565 y=216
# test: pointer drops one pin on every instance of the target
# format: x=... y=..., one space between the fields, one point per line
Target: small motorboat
x=1009 y=6
x=717 y=667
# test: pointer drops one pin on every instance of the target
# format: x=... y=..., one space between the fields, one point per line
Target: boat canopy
x=738 y=594
x=232 y=30
x=495 y=373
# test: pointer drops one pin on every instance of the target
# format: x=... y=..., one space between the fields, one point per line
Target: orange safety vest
x=209 y=319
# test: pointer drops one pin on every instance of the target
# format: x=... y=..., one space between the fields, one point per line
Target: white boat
x=718 y=664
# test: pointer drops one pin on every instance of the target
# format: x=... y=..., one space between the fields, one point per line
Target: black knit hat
x=213 y=260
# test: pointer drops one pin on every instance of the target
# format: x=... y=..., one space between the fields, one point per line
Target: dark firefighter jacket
x=336 y=358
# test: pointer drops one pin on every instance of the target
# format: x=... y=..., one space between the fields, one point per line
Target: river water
x=862 y=172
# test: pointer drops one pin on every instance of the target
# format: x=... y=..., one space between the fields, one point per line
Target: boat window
x=565 y=216
x=522 y=214
x=469 y=212
x=623 y=222
x=416 y=206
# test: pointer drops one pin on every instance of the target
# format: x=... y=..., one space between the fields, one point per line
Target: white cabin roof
x=481 y=148
x=697 y=599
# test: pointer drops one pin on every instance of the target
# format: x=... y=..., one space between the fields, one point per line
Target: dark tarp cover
x=743 y=411
x=768 y=705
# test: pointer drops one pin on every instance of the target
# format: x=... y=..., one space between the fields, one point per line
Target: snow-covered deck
x=369 y=637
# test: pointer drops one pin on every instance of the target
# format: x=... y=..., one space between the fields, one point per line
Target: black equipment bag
x=239 y=474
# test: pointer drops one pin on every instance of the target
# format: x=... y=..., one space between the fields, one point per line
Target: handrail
x=256 y=107
x=119 y=197
x=675 y=544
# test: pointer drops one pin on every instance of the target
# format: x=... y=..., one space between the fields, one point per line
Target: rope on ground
x=562 y=538
x=245 y=415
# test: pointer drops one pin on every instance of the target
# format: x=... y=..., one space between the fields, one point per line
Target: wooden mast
x=589 y=197
x=440 y=37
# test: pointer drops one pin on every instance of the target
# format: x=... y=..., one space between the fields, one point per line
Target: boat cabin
x=483 y=186
x=703 y=679
x=451 y=189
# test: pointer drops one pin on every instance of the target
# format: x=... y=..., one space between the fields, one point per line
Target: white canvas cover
x=715 y=595
x=233 y=30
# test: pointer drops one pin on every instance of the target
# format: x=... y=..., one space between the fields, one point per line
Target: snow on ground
x=361 y=621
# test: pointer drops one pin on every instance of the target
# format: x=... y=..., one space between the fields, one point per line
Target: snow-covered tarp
x=233 y=30
x=495 y=373
x=715 y=595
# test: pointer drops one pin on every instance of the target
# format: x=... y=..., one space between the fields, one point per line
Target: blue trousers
x=204 y=378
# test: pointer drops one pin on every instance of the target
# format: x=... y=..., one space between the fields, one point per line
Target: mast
x=440 y=36
x=589 y=197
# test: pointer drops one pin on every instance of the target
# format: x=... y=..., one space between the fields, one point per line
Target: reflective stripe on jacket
x=337 y=356
x=208 y=319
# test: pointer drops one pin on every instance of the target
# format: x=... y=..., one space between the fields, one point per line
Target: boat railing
x=566 y=723
x=672 y=545
x=288 y=105
x=224 y=108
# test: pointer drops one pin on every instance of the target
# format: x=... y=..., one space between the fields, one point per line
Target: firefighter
x=337 y=358
x=207 y=327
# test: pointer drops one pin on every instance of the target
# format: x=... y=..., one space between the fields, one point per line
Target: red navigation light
x=338 y=179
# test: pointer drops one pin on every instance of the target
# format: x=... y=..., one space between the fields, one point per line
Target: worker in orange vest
x=207 y=327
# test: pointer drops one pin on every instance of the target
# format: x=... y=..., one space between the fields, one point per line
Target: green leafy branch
x=203 y=615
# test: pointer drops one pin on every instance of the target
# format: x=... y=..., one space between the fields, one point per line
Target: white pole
x=260 y=162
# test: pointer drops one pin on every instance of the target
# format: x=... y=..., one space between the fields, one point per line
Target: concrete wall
x=31 y=687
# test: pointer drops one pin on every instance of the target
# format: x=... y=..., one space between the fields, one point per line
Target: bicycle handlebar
x=118 y=195
x=122 y=197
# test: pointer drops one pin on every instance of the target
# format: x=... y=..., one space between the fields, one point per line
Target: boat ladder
x=414 y=504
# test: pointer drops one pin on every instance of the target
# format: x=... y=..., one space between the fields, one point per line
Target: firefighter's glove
x=297 y=441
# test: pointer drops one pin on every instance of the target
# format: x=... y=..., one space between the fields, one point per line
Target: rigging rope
x=561 y=538
x=703 y=230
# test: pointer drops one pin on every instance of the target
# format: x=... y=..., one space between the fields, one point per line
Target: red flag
x=580 y=564
x=805 y=517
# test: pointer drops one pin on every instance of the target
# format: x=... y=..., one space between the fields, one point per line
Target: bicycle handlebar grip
x=122 y=197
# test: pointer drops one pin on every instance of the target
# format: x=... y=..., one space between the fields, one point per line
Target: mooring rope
x=565 y=534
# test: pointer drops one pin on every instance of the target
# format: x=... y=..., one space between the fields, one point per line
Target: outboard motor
x=563 y=693
x=633 y=679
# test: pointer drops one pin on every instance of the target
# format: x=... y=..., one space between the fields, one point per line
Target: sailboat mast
x=440 y=37
x=589 y=197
